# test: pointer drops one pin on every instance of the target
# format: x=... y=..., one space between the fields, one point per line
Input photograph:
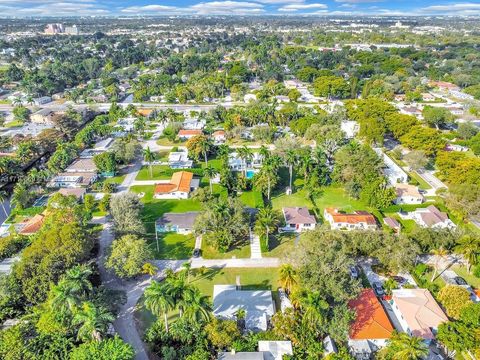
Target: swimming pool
x=250 y=174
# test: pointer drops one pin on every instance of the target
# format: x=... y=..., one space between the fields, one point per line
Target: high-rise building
x=52 y=29
x=71 y=30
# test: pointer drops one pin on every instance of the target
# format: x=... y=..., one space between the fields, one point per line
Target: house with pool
x=249 y=166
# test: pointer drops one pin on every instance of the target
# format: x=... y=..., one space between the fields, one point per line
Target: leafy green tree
x=469 y=247
x=107 y=349
x=106 y=162
x=454 y=299
x=222 y=333
x=331 y=86
x=127 y=256
x=125 y=210
x=21 y=113
x=436 y=116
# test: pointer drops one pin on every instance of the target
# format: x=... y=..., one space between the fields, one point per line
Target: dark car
x=377 y=287
x=460 y=281
x=399 y=280
x=354 y=272
x=196 y=252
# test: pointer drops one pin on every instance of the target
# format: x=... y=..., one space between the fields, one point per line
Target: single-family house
x=358 y=220
x=42 y=100
x=99 y=148
x=72 y=179
x=371 y=329
x=392 y=223
x=188 y=134
x=43 y=116
x=181 y=223
x=34 y=224
x=194 y=124
x=126 y=124
x=258 y=305
x=298 y=219
x=267 y=350
x=432 y=217
x=238 y=164
x=82 y=166
x=428 y=97
x=407 y=194
x=444 y=86
x=282 y=98
x=79 y=193
x=411 y=110
x=456 y=147
x=180 y=186
x=417 y=312
x=219 y=137
x=179 y=160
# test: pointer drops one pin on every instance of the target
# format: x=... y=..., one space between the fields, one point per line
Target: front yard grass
x=281 y=245
x=173 y=246
x=118 y=179
x=158 y=173
x=241 y=251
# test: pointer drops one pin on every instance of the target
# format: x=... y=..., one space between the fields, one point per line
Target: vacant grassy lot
x=158 y=173
x=173 y=246
x=241 y=251
x=253 y=199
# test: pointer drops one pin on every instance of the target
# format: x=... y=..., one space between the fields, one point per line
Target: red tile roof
x=180 y=182
x=355 y=218
x=33 y=225
x=371 y=321
x=184 y=132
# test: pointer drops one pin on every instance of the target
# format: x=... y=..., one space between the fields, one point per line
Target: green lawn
x=239 y=252
x=154 y=208
x=471 y=279
x=158 y=173
x=118 y=179
x=14 y=123
x=253 y=199
x=173 y=246
x=281 y=245
x=422 y=184
x=165 y=142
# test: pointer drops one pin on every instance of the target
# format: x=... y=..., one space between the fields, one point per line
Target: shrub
x=476 y=271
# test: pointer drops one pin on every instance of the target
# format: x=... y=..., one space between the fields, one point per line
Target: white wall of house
x=408 y=200
x=172 y=195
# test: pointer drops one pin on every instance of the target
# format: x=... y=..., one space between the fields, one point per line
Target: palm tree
x=246 y=155
x=149 y=156
x=290 y=159
x=77 y=279
x=63 y=299
x=439 y=253
x=3 y=198
x=288 y=277
x=314 y=307
x=205 y=145
x=197 y=306
x=17 y=101
x=187 y=266
x=306 y=164
x=270 y=167
x=267 y=219
x=159 y=301
x=210 y=173
x=405 y=347
x=93 y=321
x=470 y=248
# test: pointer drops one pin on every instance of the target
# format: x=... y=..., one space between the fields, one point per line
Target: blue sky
x=236 y=7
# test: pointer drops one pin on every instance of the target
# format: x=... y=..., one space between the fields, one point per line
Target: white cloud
x=157 y=9
x=227 y=8
x=456 y=7
x=296 y=7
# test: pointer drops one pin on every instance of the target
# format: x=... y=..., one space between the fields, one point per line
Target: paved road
x=4 y=207
x=431 y=179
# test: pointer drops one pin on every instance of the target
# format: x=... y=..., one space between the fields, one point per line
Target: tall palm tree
x=3 y=198
x=264 y=152
x=439 y=253
x=205 y=145
x=291 y=159
x=149 y=156
x=197 y=306
x=470 y=248
x=77 y=279
x=314 y=307
x=270 y=167
x=246 y=155
x=405 y=347
x=93 y=321
x=267 y=220
x=159 y=301
x=210 y=173
x=288 y=277
x=63 y=299
x=306 y=164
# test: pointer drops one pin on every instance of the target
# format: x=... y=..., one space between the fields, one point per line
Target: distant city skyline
x=26 y=8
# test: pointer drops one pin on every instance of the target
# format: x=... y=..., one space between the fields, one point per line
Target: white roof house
x=179 y=160
x=258 y=305
x=392 y=171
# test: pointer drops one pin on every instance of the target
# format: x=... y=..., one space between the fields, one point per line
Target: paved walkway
x=130 y=178
x=255 y=247
x=198 y=242
x=237 y=263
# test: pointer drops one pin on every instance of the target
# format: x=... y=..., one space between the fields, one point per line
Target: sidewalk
x=237 y=263
x=255 y=247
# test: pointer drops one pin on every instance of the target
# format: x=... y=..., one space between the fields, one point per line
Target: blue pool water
x=250 y=174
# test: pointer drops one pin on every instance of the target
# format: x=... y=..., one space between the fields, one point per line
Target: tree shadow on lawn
x=178 y=250
x=152 y=211
x=263 y=285
x=207 y=273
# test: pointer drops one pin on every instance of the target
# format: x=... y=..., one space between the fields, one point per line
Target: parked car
x=460 y=281
x=196 y=252
x=399 y=280
x=378 y=288
x=354 y=272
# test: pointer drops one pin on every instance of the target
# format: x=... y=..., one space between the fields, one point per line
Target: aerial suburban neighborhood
x=239 y=187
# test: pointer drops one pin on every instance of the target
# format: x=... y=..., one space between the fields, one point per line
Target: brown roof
x=391 y=222
x=355 y=218
x=407 y=190
x=218 y=133
x=433 y=216
x=77 y=192
x=371 y=321
x=298 y=215
x=180 y=182
x=419 y=310
x=33 y=225
x=184 y=132
x=81 y=165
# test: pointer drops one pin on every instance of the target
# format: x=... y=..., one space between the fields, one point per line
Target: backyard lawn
x=154 y=208
x=158 y=173
x=173 y=246
x=253 y=199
